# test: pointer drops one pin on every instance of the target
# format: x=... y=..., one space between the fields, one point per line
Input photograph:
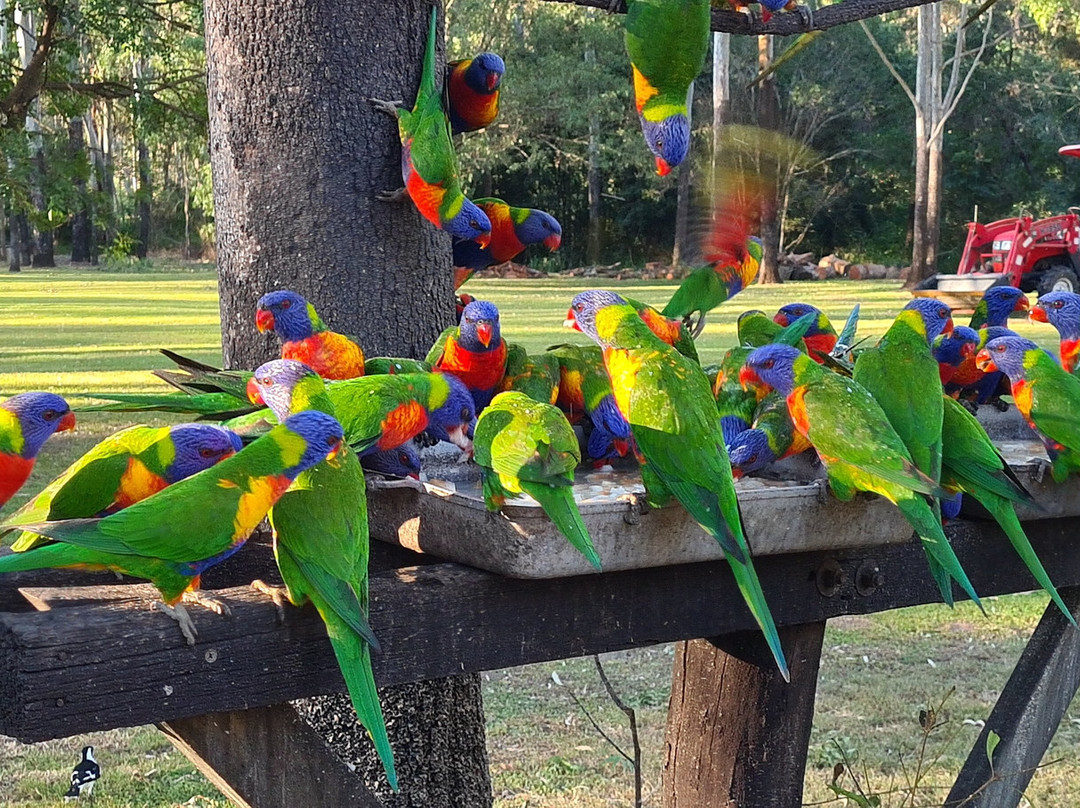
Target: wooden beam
x=737 y=733
x=119 y=664
x=1026 y=715
x=267 y=757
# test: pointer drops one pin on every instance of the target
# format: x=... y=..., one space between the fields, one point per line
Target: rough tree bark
x=298 y=155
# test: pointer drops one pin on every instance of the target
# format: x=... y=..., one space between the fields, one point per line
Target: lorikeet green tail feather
x=558 y=504
x=205 y=406
x=944 y=565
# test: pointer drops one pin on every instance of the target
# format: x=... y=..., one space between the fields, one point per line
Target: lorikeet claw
x=397 y=195
x=970 y=406
x=389 y=107
x=699 y=326
x=182 y=618
x=806 y=14
x=1042 y=466
x=213 y=604
x=276 y=593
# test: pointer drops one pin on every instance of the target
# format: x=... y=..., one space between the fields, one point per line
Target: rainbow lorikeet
x=173 y=536
x=707 y=287
x=377 y=412
x=859 y=447
x=1047 y=395
x=585 y=389
x=404 y=461
x=27 y=420
x=472 y=91
x=1062 y=311
x=536 y=376
x=428 y=163
x=601 y=446
x=386 y=365
x=527 y=446
x=820 y=338
x=970 y=463
x=770 y=7
x=512 y=230
x=305 y=338
x=666 y=41
x=474 y=352
x=950 y=350
x=123 y=469
x=772 y=436
x=666 y=399
x=902 y=376
x=995 y=306
x=320 y=532
x=970 y=383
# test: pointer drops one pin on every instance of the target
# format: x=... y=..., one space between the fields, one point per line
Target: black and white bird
x=84 y=775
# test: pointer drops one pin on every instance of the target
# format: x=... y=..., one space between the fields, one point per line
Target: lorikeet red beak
x=1037 y=313
x=253 y=393
x=968 y=350
x=483 y=240
x=67 y=422
x=748 y=378
x=984 y=362
x=1022 y=303
x=780 y=318
x=621 y=446
x=571 y=321
x=264 y=320
x=949 y=326
x=736 y=473
x=492 y=80
x=484 y=332
x=662 y=167
x=553 y=241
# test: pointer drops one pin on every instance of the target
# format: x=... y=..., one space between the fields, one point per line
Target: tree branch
x=899 y=79
x=734 y=22
x=960 y=93
x=15 y=105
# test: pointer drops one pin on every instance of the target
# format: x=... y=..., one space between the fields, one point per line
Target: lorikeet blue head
x=583 y=309
x=470 y=222
x=603 y=446
x=287 y=314
x=539 y=227
x=774 y=365
x=273 y=384
x=322 y=436
x=1001 y=301
x=936 y=316
x=404 y=461
x=39 y=415
x=749 y=451
x=455 y=418
x=479 y=328
x=1061 y=310
x=485 y=72
x=198 y=447
x=951 y=349
x=1005 y=354
x=668 y=140
x=788 y=314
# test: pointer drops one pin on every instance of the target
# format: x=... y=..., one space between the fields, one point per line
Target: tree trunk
x=298 y=154
x=721 y=94
x=924 y=117
x=768 y=115
x=43 y=244
x=143 y=193
x=15 y=245
x=592 y=241
x=81 y=222
x=683 y=252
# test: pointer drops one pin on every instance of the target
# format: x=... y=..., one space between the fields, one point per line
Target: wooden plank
x=267 y=757
x=1026 y=715
x=120 y=664
x=737 y=733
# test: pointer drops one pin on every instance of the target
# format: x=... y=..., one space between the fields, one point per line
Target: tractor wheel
x=1058 y=279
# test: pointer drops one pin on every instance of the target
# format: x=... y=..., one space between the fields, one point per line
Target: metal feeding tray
x=449 y=520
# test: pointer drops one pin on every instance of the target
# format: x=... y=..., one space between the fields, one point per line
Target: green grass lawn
x=77 y=332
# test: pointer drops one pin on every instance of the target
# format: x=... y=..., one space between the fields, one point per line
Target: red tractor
x=1036 y=255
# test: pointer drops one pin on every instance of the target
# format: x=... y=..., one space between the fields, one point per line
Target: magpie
x=84 y=775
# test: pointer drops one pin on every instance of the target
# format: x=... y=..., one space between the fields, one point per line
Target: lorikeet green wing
x=536 y=376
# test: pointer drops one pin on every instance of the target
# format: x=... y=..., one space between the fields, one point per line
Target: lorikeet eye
x=753 y=459
x=286 y=303
x=331 y=440
x=466 y=414
x=943 y=313
x=265 y=381
x=1057 y=304
x=207 y=452
x=50 y=415
x=659 y=144
x=474 y=224
x=767 y=364
x=1000 y=349
x=403 y=459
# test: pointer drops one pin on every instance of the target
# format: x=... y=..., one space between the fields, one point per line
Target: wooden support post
x=267 y=757
x=1027 y=713
x=737 y=733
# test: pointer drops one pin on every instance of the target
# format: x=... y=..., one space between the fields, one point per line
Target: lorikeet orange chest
x=427 y=196
x=1070 y=353
x=402 y=424
x=479 y=371
x=136 y=484
x=331 y=355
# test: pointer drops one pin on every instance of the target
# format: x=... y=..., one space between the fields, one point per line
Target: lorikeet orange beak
x=984 y=362
x=253 y=393
x=1037 y=313
x=331 y=456
x=662 y=167
x=483 y=240
x=492 y=80
x=484 y=332
x=553 y=241
x=571 y=321
x=264 y=320
x=67 y=422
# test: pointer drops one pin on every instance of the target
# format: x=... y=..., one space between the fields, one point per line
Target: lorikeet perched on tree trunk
x=472 y=91
x=512 y=230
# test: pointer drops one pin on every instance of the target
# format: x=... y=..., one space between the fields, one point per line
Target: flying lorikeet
x=707 y=287
x=1062 y=311
x=512 y=230
x=772 y=436
x=860 y=449
x=27 y=420
x=387 y=365
x=536 y=376
x=672 y=415
x=320 y=530
x=376 y=412
x=404 y=461
x=970 y=463
x=902 y=376
x=995 y=306
x=173 y=536
x=1047 y=395
x=820 y=338
x=305 y=338
x=666 y=41
x=526 y=446
x=123 y=469
x=585 y=389
x=474 y=352
x=472 y=91
x=428 y=163
x=950 y=350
